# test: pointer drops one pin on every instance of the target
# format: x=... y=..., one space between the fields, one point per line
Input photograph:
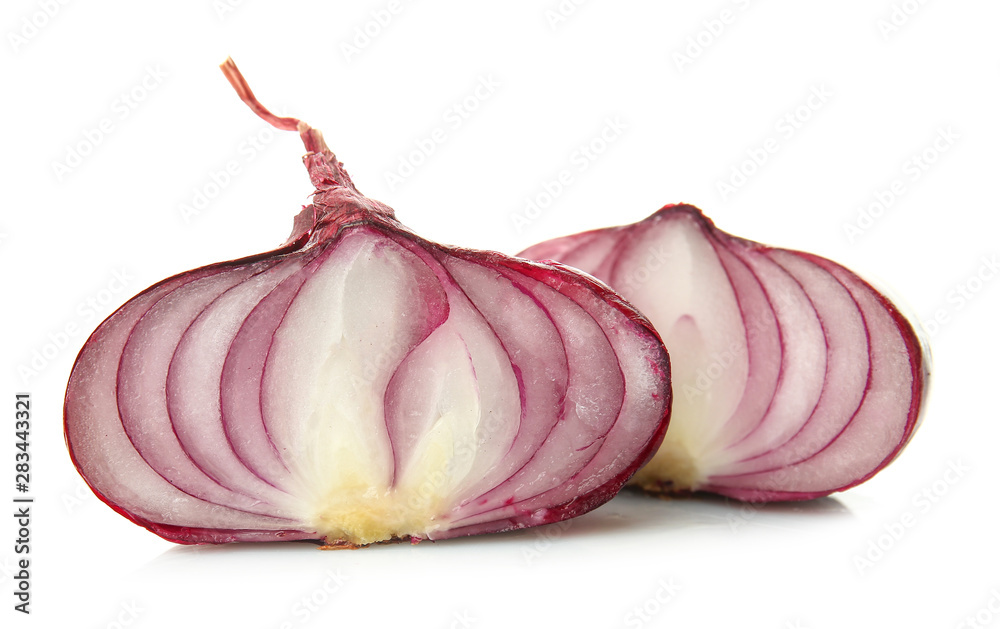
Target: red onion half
x=793 y=378
x=361 y=384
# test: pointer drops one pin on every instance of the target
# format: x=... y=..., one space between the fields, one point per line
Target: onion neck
x=325 y=170
x=336 y=201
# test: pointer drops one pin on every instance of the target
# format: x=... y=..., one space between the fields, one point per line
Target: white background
x=889 y=93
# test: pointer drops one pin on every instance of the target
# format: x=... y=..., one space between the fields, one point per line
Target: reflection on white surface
x=629 y=514
x=631 y=545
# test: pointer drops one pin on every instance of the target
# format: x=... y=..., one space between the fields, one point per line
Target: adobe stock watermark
x=8 y=568
x=462 y=620
x=712 y=29
x=464 y=454
x=985 y=615
x=430 y=489
x=561 y=12
x=453 y=118
x=127 y=614
x=77 y=497
x=913 y=170
x=898 y=17
x=308 y=605
x=377 y=363
x=224 y=8
x=643 y=613
x=544 y=538
x=217 y=180
x=121 y=107
x=34 y=23
x=365 y=34
x=719 y=363
x=923 y=502
x=776 y=481
x=787 y=126
x=88 y=313
x=579 y=161
x=956 y=299
x=635 y=279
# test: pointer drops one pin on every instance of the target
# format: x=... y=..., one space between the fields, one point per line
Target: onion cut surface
x=793 y=377
x=361 y=384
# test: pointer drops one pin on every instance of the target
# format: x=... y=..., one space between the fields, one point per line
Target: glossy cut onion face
x=793 y=377
x=362 y=384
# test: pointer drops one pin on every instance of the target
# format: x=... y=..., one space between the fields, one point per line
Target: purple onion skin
x=128 y=420
x=859 y=440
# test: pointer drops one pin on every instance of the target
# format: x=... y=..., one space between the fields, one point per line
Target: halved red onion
x=793 y=378
x=361 y=384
